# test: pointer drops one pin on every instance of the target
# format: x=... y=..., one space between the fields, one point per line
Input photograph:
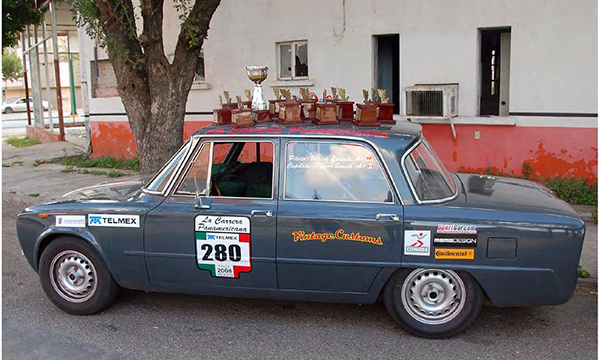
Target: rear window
x=428 y=176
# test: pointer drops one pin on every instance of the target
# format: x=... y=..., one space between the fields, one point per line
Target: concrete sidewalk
x=46 y=182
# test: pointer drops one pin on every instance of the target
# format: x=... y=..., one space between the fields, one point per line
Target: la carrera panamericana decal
x=223 y=245
x=417 y=242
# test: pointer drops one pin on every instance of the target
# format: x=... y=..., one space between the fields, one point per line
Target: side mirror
x=200 y=204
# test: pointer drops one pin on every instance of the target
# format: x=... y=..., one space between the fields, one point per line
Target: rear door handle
x=267 y=213
x=393 y=217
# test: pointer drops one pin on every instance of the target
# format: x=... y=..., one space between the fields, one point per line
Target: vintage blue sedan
x=323 y=213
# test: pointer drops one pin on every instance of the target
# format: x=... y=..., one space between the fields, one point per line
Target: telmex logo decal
x=70 y=220
x=417 y=242
x=456 y=229
x=459 y=254
x=340 y=234
x=114 y=220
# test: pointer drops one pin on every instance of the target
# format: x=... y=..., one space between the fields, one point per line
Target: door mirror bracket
x=201 y=204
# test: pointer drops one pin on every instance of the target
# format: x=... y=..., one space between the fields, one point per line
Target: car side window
x=242 y=169
x=334 y=172
x=236 y=169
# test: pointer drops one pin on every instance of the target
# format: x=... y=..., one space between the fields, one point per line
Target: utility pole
x=25 y=73
x=71 y=77
x=61 y=122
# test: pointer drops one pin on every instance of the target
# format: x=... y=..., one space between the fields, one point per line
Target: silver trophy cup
x=257 y=74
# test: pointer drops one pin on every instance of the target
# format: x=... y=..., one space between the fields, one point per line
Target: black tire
x=8 y=110
x=75 y=262
x=438 y=325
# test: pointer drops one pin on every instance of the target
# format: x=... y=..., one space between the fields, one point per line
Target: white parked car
x=18 y=105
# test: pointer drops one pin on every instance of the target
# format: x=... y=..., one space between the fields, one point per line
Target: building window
x=293 y=60
x=200 y=75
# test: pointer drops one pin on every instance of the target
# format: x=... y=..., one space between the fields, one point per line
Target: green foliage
x=573 y=190
x=12 y=67
x=107 y=162
x=21 y=141
x=583 y=273
x=527 y=170
x=595 y=216
x=16 y=14
x=33 y=194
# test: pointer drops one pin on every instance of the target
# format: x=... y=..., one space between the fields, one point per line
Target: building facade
x=524 y=73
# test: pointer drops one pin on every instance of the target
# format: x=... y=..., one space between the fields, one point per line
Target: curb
x=588 y=281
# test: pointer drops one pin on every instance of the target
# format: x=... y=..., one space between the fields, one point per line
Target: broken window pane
x=302 y=59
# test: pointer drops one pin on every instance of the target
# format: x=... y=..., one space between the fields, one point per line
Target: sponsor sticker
x=417 y=242
x=466 y=240
x=456 y=229
x=457 y=254
x=340 y=234
x=114 y=220
x=223 y=245
x=70 y=220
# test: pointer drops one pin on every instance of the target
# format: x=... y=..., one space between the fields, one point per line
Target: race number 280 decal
x=223 y=245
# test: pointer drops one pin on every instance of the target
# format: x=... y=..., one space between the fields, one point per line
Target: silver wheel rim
x=433 y=296
x=73 y=276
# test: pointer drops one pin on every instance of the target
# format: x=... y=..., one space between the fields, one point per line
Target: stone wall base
x=41 y=135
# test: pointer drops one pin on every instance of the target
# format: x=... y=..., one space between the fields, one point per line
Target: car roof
x=401 y=130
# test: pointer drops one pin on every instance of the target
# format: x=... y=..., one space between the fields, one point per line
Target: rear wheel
x=433 y=303
x=8 y=110
x=75 y=278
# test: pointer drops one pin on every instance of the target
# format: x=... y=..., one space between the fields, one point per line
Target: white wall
x=553 y=47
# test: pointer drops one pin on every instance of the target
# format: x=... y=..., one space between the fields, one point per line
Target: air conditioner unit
x=432 y=101
x=438 y=101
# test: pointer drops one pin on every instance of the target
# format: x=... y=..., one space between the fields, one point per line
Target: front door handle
x=267 y=213
x=393 y=217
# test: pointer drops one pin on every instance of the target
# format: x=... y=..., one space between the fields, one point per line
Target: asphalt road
x=169 y=326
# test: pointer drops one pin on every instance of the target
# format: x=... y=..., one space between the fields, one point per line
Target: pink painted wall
x=550 y=151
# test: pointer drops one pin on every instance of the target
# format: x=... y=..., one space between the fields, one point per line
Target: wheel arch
x=50 y=235
x=395 y=271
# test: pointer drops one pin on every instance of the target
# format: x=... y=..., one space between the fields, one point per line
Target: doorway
x=495 y=71
x=387 y=67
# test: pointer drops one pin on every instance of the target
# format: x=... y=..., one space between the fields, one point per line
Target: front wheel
x=75 y=278
x=433 y=303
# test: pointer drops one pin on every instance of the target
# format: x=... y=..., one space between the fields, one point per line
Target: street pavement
x=171 y=326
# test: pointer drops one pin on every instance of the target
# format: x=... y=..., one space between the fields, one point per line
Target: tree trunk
x=154 y=92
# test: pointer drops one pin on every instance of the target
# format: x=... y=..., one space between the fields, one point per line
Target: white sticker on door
x=70 y=220
x=223 y=245
x=417 y=242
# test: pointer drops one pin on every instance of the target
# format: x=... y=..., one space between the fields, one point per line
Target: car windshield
x=160 y=180
x=429 y=177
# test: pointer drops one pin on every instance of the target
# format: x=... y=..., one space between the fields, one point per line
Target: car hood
x=120 y=190
x=509 y=194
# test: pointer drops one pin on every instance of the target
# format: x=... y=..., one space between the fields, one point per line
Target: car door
x=339 y=221
x=20 y=105
x=228 y=240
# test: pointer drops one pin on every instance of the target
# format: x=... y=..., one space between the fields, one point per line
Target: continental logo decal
x=457 y=254
x=340 y=234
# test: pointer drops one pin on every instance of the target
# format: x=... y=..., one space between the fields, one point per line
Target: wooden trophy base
x=290 y=113
x=241 y=118
x=261 y=116
x=309 y=110
x=326 y=114
x=247 y=105
x=345 y=110
x=385 y=113
x=222 y=116
x=366 y=115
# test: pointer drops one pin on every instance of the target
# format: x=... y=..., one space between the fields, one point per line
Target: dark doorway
x=495 y=71
x=388 y=67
